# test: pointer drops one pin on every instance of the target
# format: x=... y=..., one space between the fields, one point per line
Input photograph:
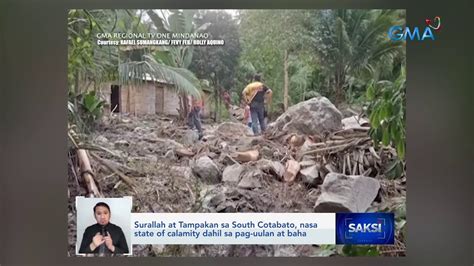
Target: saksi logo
x=365 y=228
x=398 y=33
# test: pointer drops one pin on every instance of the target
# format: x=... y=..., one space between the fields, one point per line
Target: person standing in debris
x=254 y=95
x=194 y=113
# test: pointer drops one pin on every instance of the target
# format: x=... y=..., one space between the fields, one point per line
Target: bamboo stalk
x=86 y=172
x=352 y=130
x=361 y=162
x=329 y=148
x=348 y=156
x=354 y=153
x=344 y=164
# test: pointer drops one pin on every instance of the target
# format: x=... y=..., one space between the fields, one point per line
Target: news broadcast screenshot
x=238 y=132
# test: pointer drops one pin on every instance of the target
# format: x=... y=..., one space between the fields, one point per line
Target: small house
x=150 y=97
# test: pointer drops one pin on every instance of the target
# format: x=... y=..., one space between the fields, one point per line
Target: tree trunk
x=285 y=89
x=86 y=173
x=76 y=82
x=339 y=80
x=183 y=106
x=215 y=105
x=218 y=102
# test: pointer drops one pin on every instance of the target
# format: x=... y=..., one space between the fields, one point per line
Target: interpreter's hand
x=98 y=240
x=109 y=243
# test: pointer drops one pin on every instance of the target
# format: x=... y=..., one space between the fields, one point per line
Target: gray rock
x=310 y=175
x=232 y=173
x=226 y=206
x=226 y=159
x=314 y=116
x=190 y=137
x=231 y=128
x=251 y=179
x=342 y=193
x=217 y=199
x=206 y=170
x=274 y=168
x=231 y=132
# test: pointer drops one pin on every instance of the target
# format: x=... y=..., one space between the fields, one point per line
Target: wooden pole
x=87 y=174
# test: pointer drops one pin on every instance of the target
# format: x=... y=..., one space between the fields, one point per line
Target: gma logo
x=398 y=33
x=365 y=228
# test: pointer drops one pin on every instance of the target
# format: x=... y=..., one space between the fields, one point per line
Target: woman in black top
x=103 y=237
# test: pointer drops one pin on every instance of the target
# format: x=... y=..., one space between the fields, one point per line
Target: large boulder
x=232 y=173
x=206 y=170
x=314 y=116
x=342 y=193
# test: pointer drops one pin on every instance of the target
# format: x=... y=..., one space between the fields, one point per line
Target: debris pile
x=310 y=160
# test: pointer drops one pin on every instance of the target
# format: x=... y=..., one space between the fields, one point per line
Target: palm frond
x=134 y=72
x=157 y=21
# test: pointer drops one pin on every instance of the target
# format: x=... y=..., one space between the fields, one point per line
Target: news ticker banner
x=262 y=228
